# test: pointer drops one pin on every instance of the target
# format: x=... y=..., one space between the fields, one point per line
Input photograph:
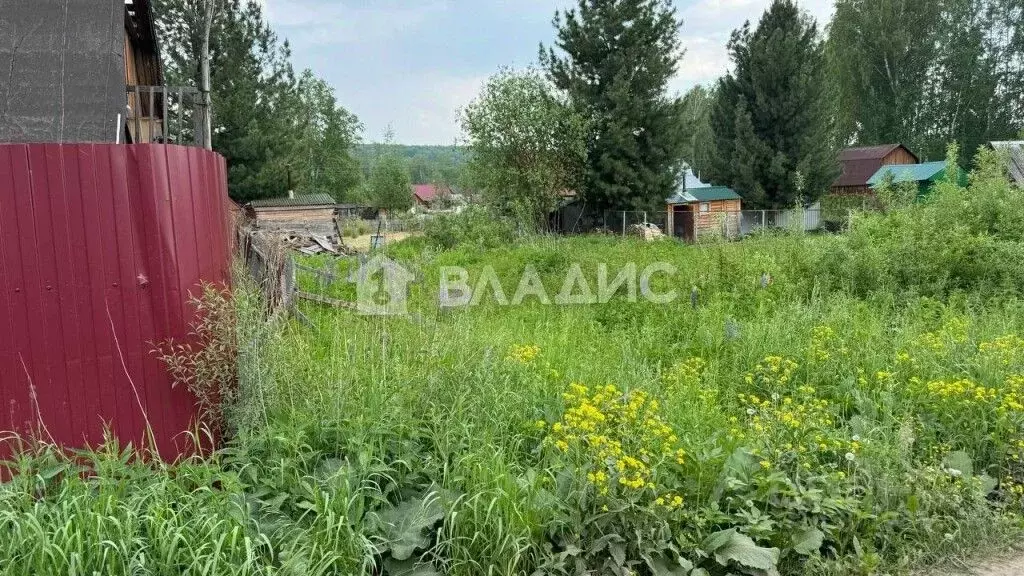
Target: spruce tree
x=614 y=60
x=771 y=120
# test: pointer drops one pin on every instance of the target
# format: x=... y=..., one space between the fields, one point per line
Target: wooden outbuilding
x=698 y=213
x=299 y=213
x=109 y=85
x=860 y=164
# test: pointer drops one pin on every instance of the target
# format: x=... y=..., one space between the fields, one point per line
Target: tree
x=699 y=146
x=528 y=146
x=389 y=187
x=971 y=96
x=773 y=138
x=928 y=72
x=327 y=135
x=261 y=121
x=880 y=53
x=614 y=61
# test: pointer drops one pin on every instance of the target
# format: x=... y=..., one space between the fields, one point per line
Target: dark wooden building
x=298 y=213
x=860 y=164
x=87 y=71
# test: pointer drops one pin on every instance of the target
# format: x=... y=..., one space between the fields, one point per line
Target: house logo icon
x=382 y=287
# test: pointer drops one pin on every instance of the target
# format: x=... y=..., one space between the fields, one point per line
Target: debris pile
x=311 y=244
x=646 y=231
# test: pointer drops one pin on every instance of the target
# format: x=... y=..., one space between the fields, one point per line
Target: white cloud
x=431 y=115
x=337 y=23
x=707 y=25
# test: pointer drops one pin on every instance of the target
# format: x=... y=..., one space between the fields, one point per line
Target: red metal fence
x=100 y=246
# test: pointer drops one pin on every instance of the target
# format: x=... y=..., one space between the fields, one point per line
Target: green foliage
x=326 y=134
x=474 y=226
x=527 y=146
x=958 y=239
x=426 y=164
x=267 y=123
x=389 y=187
x=614 y=60
x=880 y=53
x=862 y=413
x=700 y=145
x=927 y=72
x=770 y=118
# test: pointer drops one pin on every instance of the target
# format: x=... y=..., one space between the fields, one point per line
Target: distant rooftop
x=705 y=194
x=858 y=164
x=908 y=172
x=320 y=199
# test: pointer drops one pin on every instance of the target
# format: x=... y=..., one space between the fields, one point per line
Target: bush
x=474 y=226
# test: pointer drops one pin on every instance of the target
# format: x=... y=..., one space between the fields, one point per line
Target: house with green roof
x=925 y=175
x=704 y=211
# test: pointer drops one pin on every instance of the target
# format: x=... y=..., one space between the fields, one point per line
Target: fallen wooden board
x=324 y=243
x=325 y=300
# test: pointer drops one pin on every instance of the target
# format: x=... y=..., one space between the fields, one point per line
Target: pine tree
x=269 y=131
x=773 y=134
x=614 y=61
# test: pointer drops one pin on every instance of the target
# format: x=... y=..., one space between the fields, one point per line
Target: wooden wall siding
x=314 y=220
x=100 y=246
x=899 y=156
x=140 y=69
x=723 y=218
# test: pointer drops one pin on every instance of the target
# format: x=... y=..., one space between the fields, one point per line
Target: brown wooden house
x=860 y=164
x=704 y=212
x=299 y=213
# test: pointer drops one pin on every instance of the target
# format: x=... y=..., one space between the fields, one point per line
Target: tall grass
x=861 y=413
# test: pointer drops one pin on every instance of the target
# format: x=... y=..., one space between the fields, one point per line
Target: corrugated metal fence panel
x=100 y=247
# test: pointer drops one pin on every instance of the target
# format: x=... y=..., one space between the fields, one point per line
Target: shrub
x=475 y=226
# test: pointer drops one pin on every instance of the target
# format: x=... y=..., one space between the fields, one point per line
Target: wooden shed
x=860 y=164
x=704 y=212
x=107 y=86
x=302 y=213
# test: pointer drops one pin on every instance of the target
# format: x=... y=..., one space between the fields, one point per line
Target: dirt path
x=362 y=243
x=1012 y=564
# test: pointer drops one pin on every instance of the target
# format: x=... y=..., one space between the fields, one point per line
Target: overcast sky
x=412 y=64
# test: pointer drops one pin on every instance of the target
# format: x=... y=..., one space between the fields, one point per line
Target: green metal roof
x=703 y=194
x=909 y=172
x=320 y=199
x=713 y=193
